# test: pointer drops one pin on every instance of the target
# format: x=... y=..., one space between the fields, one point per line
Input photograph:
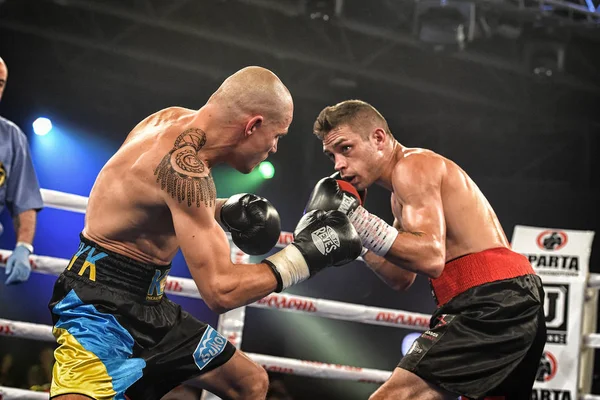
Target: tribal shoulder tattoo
x=181 y=172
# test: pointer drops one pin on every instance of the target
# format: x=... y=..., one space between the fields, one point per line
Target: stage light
x=42 y=126
x=545 y=58
x=266 y=169
x=445 y=25
x=323 y=9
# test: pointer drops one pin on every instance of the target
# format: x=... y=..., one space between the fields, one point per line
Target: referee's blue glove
x=18 y=268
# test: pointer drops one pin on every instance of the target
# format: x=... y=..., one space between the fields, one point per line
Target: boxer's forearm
x=394 y=276
x=24 y=224
x=218 y=205
x=237 y=285
x=418 y=252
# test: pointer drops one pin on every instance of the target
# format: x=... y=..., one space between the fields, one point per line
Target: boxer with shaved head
x=118 y=334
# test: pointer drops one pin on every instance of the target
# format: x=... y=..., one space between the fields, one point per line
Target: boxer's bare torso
x=471 y=224
x=127 y=212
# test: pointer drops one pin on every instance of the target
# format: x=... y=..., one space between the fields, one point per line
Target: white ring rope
x=594 y=281
x=284 y=302
x=41 y=332
x=29 y=330
x=76 y=203
x=270 y=363
x=9 y=393
x=64 y=201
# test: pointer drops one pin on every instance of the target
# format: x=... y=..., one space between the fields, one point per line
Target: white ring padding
x=8 y=393
x=285 y=302
x=275 y=364
x=589 y=397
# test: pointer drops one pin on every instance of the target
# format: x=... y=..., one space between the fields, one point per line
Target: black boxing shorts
x=118 y=334
x=486 y=340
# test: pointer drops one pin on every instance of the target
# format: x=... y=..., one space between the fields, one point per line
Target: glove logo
x=347 y=203
x=2 y=174
x=326 y=239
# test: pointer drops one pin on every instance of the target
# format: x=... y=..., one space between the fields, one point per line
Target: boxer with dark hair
x=488 y=333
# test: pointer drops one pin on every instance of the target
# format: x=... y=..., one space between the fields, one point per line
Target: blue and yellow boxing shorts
x=119 y=335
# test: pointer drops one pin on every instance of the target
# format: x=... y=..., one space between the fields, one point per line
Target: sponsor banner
x=561 y=258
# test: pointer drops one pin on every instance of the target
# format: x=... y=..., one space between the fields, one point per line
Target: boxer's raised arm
x=189 y=192
x=420 y=244
x=218 y=205
x=205 y=247
x=395 y=277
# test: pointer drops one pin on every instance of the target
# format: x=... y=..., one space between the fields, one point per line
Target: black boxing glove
x=321 y=239
x=361 y=193
x=333 y=194
x=253 y=222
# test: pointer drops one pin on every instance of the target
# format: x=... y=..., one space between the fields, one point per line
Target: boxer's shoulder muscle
x=418 y=168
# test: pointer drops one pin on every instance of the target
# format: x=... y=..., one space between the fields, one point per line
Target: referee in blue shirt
x=19 y=191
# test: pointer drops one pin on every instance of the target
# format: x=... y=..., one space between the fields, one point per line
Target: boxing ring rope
x=283 y=302
x=594 y=281
x=28 y=330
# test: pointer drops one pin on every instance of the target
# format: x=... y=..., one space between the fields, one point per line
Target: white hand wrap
x=375 y=233
x=291 y=265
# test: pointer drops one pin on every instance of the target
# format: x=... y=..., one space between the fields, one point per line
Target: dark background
x=529 y=139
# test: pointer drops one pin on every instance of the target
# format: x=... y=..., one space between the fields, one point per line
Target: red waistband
x=476 y=269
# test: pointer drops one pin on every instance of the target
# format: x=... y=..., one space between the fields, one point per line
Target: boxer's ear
x=379 y=138
x=253 y=125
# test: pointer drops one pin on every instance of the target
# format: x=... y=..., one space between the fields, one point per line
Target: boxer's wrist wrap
x=289 y=267
x=279 y=287
x=375 y=233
